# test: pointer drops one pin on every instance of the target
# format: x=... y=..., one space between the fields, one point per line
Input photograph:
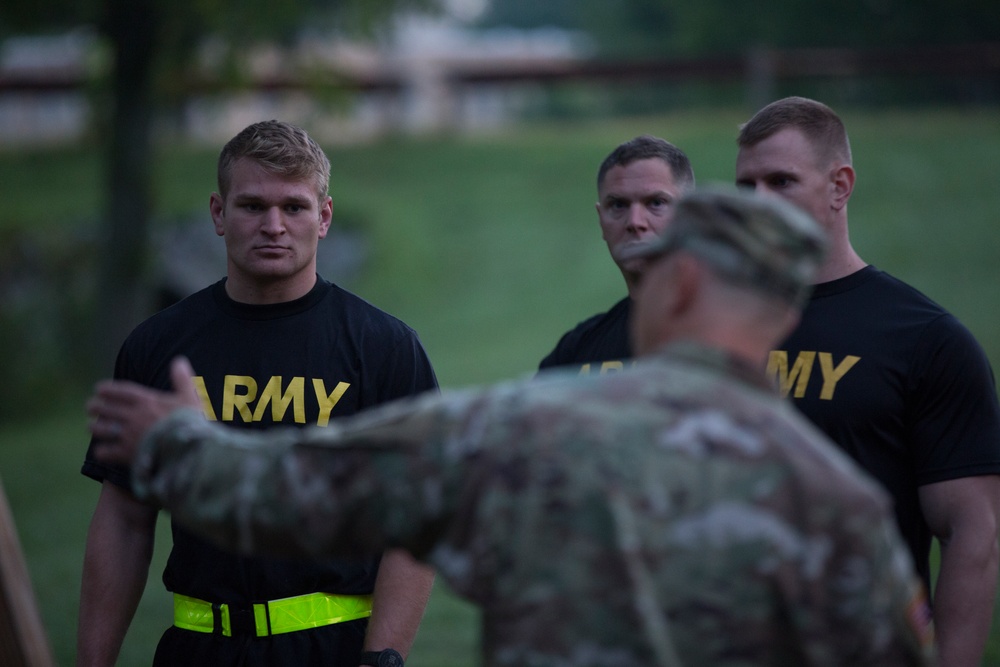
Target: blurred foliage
x=637 y=30
x=648 y=28
x=46 y=288
x=181 y=30
x=244 y=21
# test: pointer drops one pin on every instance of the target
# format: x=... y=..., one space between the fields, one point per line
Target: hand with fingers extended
x=121 y=413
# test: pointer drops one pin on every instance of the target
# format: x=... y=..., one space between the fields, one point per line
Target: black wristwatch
x=389 y=657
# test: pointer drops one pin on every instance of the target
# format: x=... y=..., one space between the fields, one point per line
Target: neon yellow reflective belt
x=274 y=617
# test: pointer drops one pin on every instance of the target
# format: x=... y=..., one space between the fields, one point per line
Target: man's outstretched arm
x=354 y=488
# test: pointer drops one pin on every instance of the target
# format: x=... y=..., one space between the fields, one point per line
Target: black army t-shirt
x=326 y=355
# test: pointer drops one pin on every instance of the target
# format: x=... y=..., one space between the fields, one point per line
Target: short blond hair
x=280 y=148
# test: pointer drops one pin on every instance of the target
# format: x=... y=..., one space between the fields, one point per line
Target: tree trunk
x=122 y=300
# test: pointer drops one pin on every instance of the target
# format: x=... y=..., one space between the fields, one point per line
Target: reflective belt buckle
x=241 y=621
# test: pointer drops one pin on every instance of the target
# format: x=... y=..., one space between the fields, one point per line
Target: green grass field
x=489 y=248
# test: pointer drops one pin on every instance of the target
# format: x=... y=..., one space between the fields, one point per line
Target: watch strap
x=385 y=658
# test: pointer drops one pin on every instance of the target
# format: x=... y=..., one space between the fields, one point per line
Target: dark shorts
x=337 y=645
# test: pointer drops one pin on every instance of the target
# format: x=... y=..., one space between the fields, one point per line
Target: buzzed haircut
x=819 y=123
x=280 y=148
x=646 y=147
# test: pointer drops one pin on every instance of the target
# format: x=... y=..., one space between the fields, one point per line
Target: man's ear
x=842 y=180
x=687 y=279
x=217 y=207
x=325 y=216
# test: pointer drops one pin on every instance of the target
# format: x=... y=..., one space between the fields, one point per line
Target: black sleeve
x=956 y=416
x=407 y=370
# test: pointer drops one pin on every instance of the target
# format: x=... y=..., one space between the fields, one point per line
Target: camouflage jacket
x=676 y=514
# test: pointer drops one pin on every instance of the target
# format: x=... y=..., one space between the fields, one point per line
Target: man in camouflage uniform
x=676 y=514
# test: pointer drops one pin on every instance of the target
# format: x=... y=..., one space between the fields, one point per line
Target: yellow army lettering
x=801 y=370
x=239 y=392
x=606 y=367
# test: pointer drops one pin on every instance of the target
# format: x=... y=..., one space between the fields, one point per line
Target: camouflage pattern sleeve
x=283 y=493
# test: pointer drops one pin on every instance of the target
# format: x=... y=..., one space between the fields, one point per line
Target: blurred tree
x=154 y=46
